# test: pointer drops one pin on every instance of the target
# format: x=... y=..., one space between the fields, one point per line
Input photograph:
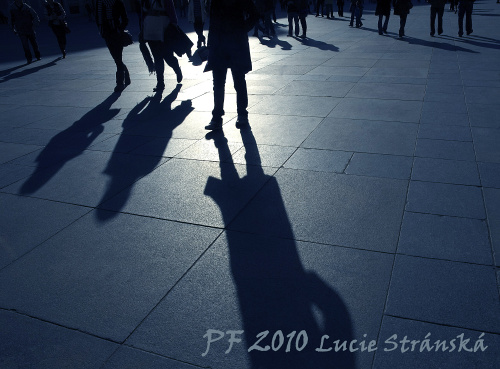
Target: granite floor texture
x=355 y=225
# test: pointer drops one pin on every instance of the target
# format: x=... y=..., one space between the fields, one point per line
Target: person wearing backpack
x=23 y=20
x=56 y=16
x=111 y=19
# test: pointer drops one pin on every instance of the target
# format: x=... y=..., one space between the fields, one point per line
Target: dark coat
x=110 y=27
x=437 y=3
x=230 y=22
x=401 y=7
x=383 y=7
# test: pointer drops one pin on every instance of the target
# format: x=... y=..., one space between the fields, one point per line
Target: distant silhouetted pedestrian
x=340 y=5
x=356 y=12
x=437 y=8
x=293 y=17
x=111 y=19
x=465 y=7
x=230 y=21
x=320 y=4
x=23 y=20
x=329 y=9
x=56 y=16
x=402 y=8
x=454 y=5
x=160 y=48
x=197 y=15
x=383 y=9
x=303 y=11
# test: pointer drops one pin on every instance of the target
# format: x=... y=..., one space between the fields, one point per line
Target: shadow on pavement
x=142 y=115
x=69 y=144
x=275 y=292
x=6 y=75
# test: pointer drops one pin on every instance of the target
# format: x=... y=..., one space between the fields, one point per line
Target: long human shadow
x=275 y=41
x=321 y=45
x=69 y=144
x=151 y=117
x=276 y=292
x=7 y=74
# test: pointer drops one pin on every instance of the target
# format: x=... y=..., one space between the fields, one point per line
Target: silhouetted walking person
x=230 y=21
x=303 y=11
x=111 y=20
x=56 y=16
x=340 y=5
x=23 y=20
x=293 y=17
x=465 y=7
x=383 y=10
x=402 y=8
x=154 y=34
x=437 y=8
x=356 y=12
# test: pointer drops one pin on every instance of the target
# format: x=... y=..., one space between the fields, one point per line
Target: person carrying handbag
x=157 y=15
x=56 y=16
x=111 y=19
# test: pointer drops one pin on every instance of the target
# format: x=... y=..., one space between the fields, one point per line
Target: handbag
x=126 y=38
x=410 y=4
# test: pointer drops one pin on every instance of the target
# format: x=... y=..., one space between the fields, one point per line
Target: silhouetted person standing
x=23 y=20
x=230 y=21
x=112 y=19
x=402 y=8
x=383 y=10
x=293 y=17
x=437 y=8
x=465 y=7
x=56 y=15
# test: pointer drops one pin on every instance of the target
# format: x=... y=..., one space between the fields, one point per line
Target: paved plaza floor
x=356 y=225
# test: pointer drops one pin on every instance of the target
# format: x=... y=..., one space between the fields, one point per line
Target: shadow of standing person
x=69 y=144
x=120 y=168
x=276 y=293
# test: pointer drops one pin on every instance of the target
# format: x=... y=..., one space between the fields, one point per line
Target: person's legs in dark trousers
x=433 y=20
x=320 y=4
x=386 y=23
x=60 y=34
x=34 y=45
x=240 y=85
x=353 y=13
x=359 y=14
x=303 y=23
x=402 y=23
x=461 y=13
x=440 y=12
x=198 y=28
x=172 y=62
x=219 y=77
x=293 y=17
x=340 y=5
x=157 y=51
x=26 y=48
x=380 y=28
x=468 y=16
x=268 y=24
x=116 y=50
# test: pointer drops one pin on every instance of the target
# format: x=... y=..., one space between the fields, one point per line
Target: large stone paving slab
x=253 y=284
x=444 y=292
x=363 y=136
x=442 y=237
x=492 y=203
x=131 y=358
x=352 y=211
x=32 y=343
x=27 y=222
x=103 y=278
x=372 y=109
